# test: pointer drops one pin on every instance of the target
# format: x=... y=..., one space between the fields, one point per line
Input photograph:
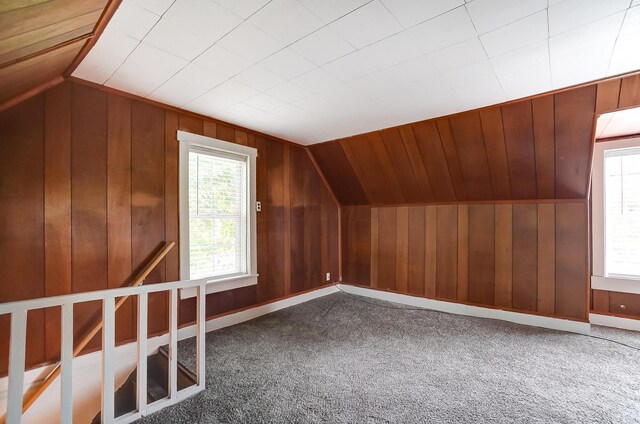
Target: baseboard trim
x=473 y=311
x=87 y=368
x=615 y=322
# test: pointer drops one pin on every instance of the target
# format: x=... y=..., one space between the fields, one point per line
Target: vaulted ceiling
x=40 y=39
x=315 y=70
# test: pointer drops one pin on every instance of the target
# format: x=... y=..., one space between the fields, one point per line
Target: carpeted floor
x=347 y=359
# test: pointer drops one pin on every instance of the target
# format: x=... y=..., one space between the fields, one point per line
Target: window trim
x=187 y=140
x=599 y=279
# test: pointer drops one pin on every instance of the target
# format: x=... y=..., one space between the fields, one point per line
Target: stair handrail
x=95 y=328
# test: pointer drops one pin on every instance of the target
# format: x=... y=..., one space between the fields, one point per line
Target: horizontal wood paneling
x=495 y=246
x=111 y=165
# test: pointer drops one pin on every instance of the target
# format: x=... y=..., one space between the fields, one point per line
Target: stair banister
x=95 y=328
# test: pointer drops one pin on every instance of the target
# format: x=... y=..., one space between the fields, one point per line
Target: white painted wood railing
x=18 y=312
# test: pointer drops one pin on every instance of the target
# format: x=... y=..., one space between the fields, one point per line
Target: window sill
x=222 y=284
x=621 y=285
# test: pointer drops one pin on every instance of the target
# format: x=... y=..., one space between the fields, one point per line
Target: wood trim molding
x=28 y=94
x=104 y=19
x=47 y=50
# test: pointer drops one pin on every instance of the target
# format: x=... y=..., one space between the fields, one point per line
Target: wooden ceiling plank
x=493 y=132
x=432 y=154
x=411 y=146
x=453 y=161
x=41 y=15
x=517 y=120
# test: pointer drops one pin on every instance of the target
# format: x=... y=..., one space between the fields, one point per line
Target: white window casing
x=246 y=274
x=605 y=277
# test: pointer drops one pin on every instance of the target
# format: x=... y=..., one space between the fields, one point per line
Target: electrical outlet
x=258 y=206
x=328 y=276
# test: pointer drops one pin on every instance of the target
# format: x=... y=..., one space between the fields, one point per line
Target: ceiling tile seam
x=615 y=43
x=139 y=41
x=203 y=52
x=590 y=22
x=484 y=48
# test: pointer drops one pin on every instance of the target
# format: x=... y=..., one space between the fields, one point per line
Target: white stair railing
x=18 y=311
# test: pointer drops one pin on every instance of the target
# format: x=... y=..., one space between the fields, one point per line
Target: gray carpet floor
x=347 y=359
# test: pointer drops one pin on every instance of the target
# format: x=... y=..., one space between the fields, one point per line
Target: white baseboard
x=87 y=368
x=473 y=311
x=616 y=322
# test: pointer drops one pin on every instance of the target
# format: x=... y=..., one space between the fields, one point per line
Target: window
x=616 y=216
x=217 y=212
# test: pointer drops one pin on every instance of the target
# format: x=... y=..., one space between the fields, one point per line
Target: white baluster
x=66 y=364
x=173 y=344
x=17 y=346
x=142 y=352
x=201 y=320
x=108 y=349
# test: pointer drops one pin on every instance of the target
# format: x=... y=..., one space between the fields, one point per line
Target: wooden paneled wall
x=536 y=148
x=626 y=305
x=89 y=192
x=529 y=257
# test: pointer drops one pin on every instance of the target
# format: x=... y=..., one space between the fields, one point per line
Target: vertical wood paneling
x=275 y=202
x=119 y=206
x=57 y=207
x=467 y=133
x=546 y=258
x=525 y=257
x=624 y=304
x=190 y=124
x=103 y=170
x=401 y=163
x=504 y=255
x=544 y=138
x=600 y=301
x=21 y=215
x=387 y=237
x=402 y=248
x=147 y=202
x=298 y=237
x=339 y=173
x=574 y=111
x=415 y=250
x=88 y=200
x=452 y=156
x=418 y=166
x=463 y=252
x=428 y=140
x=286 y=159
x=365 y=164
x=493 y=132
x=363 y=244
x=374 y=246
x=394 y=191
x=607 y=96
x=430 y=251
x=263 y=219
x=446 y=251
x=571 y=266
x=481 y=254
x=629 y=91
x=518 y=132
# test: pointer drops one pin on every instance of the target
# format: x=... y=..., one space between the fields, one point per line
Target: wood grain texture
x=402 y=248
x=430 y=147
x=544 y=145
x=525 y=257
x=387 y=240
x=446 y=251
x=504 y=255
x=463 y=253
x=629 y=92
x=101 y=170
x=493 y=133
x=431 y=251
x=453 y=157
x=571 y=266
x=607 y=96
x=574 y=111
x=518 y=132
x=482 y=254
x=416 y=250
x=546 y=258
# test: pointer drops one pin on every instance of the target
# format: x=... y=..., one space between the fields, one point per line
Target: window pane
x=217 y=215
x=622 y=212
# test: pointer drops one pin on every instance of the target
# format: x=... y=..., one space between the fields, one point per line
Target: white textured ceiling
x=619 y=123
x=315 y=70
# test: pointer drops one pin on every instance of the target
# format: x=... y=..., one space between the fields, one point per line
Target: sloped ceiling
x=538 y=148
x=316 y=70
x=40 y=39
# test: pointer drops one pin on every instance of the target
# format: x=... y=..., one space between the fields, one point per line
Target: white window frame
x=599 y=278
x=186 y=141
